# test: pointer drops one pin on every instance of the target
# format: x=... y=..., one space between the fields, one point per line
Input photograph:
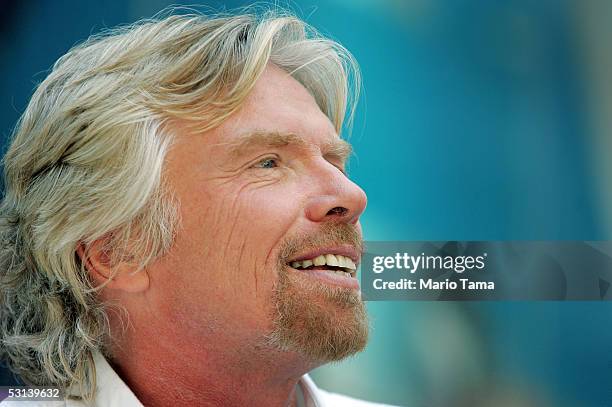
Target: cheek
x=262 y=218
x=235 y=232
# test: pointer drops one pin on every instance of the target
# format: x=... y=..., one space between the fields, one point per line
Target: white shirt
x=113 y=392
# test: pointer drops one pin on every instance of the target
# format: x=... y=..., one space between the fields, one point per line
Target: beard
x=321 y=321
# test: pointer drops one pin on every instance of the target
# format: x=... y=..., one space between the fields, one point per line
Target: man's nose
x=337 y=198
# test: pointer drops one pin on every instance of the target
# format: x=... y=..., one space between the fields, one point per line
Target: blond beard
x=322 y=322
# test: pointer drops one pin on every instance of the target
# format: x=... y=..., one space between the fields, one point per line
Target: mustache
x=330 y=234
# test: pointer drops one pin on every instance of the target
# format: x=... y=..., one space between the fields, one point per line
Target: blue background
x=480 y=120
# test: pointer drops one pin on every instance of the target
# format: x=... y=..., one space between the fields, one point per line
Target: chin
x=322 y=322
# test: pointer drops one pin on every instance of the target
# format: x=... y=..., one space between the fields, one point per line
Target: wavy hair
x=86 y=157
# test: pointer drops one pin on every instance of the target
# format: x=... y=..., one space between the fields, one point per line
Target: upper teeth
x=326 y=259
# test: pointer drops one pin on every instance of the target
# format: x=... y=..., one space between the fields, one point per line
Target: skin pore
x=223 y=318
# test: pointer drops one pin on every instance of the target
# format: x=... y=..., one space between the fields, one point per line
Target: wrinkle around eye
x=340 y=166
x=233 y=168
x=342 y=169
x=256 y=181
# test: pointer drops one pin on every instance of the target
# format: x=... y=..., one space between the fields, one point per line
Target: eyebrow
x=334 y=148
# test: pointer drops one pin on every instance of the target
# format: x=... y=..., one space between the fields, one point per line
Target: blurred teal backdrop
x=480 y=120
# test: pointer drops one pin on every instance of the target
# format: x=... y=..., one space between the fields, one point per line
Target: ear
x=121 y=276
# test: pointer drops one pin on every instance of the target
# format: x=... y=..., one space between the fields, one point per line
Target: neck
x=170 y=369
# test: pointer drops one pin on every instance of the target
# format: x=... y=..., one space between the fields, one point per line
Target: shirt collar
x=112 y=390
x=311 y=392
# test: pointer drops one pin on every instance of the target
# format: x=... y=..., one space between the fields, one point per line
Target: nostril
x=338 y=211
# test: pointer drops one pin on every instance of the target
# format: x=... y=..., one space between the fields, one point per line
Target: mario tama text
x=424 y=273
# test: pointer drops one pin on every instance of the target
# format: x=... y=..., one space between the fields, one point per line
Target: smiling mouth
x=334 y=263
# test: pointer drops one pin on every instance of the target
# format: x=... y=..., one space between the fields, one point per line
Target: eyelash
x=276 y=160
x=340 y=168
x=263 y=160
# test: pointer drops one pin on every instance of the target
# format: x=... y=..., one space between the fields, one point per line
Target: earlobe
x=123 y=276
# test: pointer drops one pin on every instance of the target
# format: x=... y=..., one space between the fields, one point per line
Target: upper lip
x=344 y=250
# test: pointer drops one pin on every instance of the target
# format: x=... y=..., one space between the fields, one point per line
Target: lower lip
x=330 y=277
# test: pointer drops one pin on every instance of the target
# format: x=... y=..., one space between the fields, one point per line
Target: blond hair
x=85 y=163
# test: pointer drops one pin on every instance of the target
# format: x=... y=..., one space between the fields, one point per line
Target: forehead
x=278 y=104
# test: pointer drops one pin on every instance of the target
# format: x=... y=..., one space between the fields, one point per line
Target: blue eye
x=267 y=163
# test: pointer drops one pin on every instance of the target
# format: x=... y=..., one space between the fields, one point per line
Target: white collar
x=112 y=390
x=311 y=392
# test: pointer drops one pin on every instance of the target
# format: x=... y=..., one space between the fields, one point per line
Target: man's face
x=258 y=195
